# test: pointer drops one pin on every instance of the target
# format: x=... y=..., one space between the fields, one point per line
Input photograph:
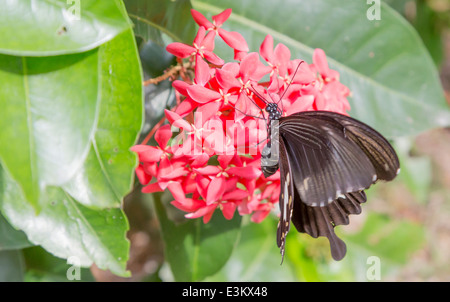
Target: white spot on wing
x=305 y=183
x=286 y=197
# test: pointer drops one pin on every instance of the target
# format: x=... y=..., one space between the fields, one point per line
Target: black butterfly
x=326 y=161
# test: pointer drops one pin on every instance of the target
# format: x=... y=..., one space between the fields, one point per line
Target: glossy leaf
x=60 y=110
x=107 y=173
x=49 y=111
x=66 y=229
x=152 y=18
x=394 y=83
x=41 y=266
x=196 y=250
x=47 y=28
x=10 y=238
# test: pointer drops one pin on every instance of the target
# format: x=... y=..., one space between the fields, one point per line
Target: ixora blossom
x=208 y=155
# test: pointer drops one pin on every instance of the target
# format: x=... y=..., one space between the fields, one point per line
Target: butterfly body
x=326 y=161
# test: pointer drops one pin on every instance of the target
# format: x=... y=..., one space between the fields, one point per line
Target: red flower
x=202 y=46
x=216 y=133
x=234 y=39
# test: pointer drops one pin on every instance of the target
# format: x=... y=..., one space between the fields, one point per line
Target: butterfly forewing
x=325 y=164
x=375 y=146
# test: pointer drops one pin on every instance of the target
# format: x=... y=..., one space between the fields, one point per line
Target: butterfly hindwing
x=320 y=221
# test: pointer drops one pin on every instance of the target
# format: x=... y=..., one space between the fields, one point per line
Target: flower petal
x=224 y=160
x=266 y=48
x=303 y=103
x=236 y=194
x=202 y=185
x=209 y=110
x=216 y=189
x=202 y=74
x=189 y=204
x=201 y=20
x=151 y=168
x=208 y=42
x=228 y=209
x=320 y=62
x=180 y=86
x=147 y=153
x=151 y=188
x=213 y=58
x=281 y=54
x=239 y=55
x=247 y=172
x=260 y=215
x=168 y=171
x=200 y=160
x=203 y=95
x=177 y=191
x=202 y=212
x=186 y=106
x=227 y=79
x=219 y=19
x=252 y=68
x=234 y=39
x=208 y=170
x=163 y=135
x=198 y=40
x=176 y=120
x=143 y=177
x=180 y=50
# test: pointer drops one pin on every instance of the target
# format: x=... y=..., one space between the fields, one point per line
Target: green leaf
x=47 y=28
x=49 y=111
x=196 y=250
x=395 y=85
x=10 y=238
x=70 y=121
x=44 y=267
x=256 y=257
x=66 y=229
x=107 y=173
x=12 y=266
x=151 y=18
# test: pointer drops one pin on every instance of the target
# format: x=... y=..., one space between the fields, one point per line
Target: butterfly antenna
x=254 y=116
x=290 y=82
x=259 y=96
x=243 y=147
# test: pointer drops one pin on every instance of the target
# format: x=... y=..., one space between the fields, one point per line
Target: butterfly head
x=274 y=111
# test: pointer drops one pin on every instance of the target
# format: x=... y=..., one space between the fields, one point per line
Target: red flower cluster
x=214 y=162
